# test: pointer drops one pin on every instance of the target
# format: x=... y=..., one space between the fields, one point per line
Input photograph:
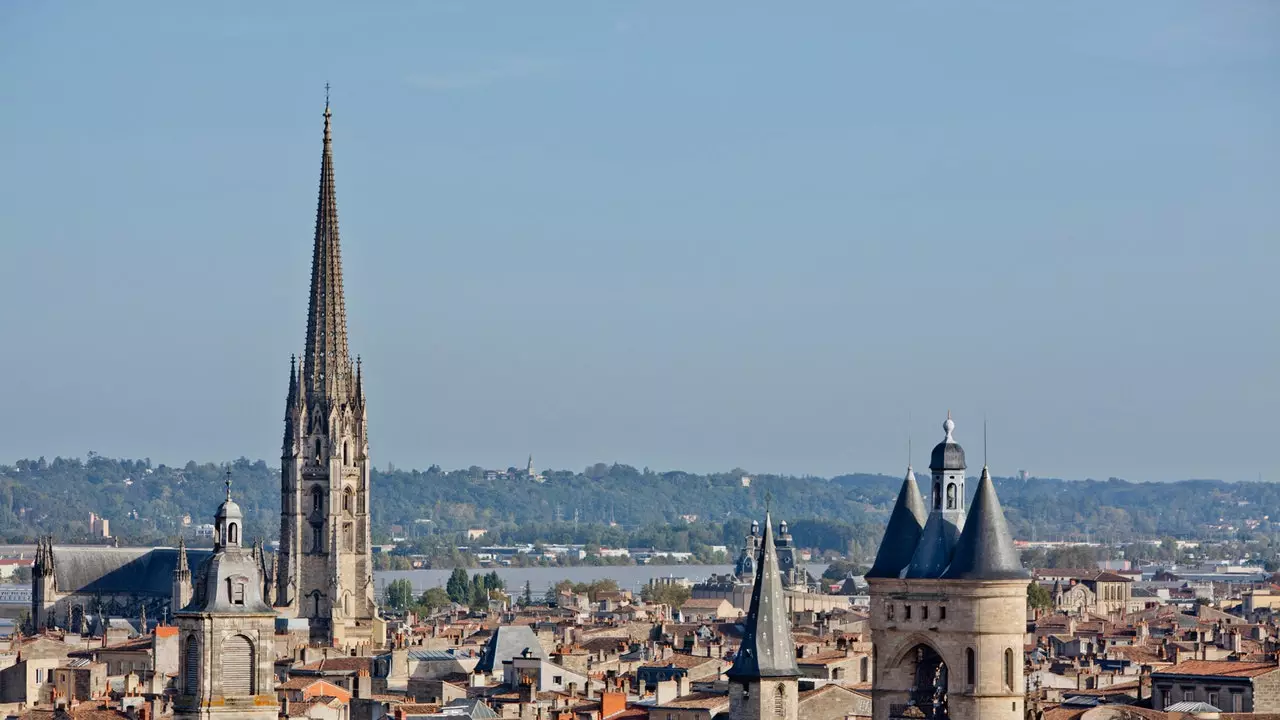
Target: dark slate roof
x=933 y=554
x=947 y=456
x=506 y=643
x=985 y=550
x=902 y=534
x=766 y=650
x=106 y=570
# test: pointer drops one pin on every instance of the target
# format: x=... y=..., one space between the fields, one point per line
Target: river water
x=629 y=577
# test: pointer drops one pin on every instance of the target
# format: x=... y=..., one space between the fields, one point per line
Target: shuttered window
x=237 y=666
x=191 y=667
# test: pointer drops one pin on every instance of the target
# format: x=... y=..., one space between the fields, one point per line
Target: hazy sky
x=682 y=235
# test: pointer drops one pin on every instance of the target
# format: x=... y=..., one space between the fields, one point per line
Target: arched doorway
x=929 y=693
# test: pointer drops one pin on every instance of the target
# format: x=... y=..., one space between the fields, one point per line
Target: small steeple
x=902 y=534
x=985 y=550
x=767 y=649
x=182 y=556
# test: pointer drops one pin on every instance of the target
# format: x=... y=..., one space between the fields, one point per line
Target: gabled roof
x=506 y=643
x=985 y=550
x=902 y=534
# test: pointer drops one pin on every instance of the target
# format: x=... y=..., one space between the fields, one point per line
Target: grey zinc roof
x=767 y=649
x=902 y=534
x=985 y=550
x=507 y=642
x=933 y=553
x=947 y=456
x=217 y=575
x=110 y=571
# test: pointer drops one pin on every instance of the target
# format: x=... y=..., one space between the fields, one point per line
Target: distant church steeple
x=763 y=679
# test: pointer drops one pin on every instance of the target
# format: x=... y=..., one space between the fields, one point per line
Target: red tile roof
x=1219 y=668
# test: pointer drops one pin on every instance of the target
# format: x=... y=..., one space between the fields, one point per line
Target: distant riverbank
x=629 y=577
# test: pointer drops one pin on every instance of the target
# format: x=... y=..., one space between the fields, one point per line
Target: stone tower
x=181 y=580
x=226 y=634
x=763 y=682
x=325 y=570
x=948 y=608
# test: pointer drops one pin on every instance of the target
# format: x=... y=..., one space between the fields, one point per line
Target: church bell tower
x=325 y=569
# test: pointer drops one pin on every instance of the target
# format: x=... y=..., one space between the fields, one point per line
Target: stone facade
x=764 y=700
x=967 y=635
x=226 y=635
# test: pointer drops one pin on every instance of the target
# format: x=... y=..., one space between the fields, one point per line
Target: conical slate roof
x=767 y=650
x=902 y=534
x=985 y=550
x=933 y=554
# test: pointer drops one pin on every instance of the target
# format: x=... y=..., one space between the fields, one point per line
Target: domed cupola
x=228 y=522
x=947 y=455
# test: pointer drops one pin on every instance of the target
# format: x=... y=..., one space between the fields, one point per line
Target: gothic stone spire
x=767 y=649
x=326 y=366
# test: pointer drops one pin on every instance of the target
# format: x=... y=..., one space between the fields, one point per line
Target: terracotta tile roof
x=1219 y=668
x=338 y=664
x=681 y=661
x=825 y=658
x=697 y=701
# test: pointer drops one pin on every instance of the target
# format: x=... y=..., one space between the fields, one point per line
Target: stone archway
x=929 y=686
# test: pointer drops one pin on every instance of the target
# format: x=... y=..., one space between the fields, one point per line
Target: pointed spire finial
x=228 y=484
x=948 y=426
x=326 y=96
x=984 y=442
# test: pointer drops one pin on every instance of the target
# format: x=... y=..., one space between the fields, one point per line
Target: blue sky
x=678 y=235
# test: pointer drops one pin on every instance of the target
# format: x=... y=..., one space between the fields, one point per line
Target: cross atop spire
x=326 y=364
x=227 y=482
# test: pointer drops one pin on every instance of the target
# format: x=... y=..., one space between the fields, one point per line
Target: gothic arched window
x=317 y=450
x=780 y=701
x=347 y=496
x=317 y=538
x=864 y=667
x=346 y=458
x=970 y=667
x=951 y=496
x=317 y=499
x=233 y=534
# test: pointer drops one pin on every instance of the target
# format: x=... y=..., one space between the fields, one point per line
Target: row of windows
x=350 y=503
x=971 y=668
x=891 y=611
x=1189 y=695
